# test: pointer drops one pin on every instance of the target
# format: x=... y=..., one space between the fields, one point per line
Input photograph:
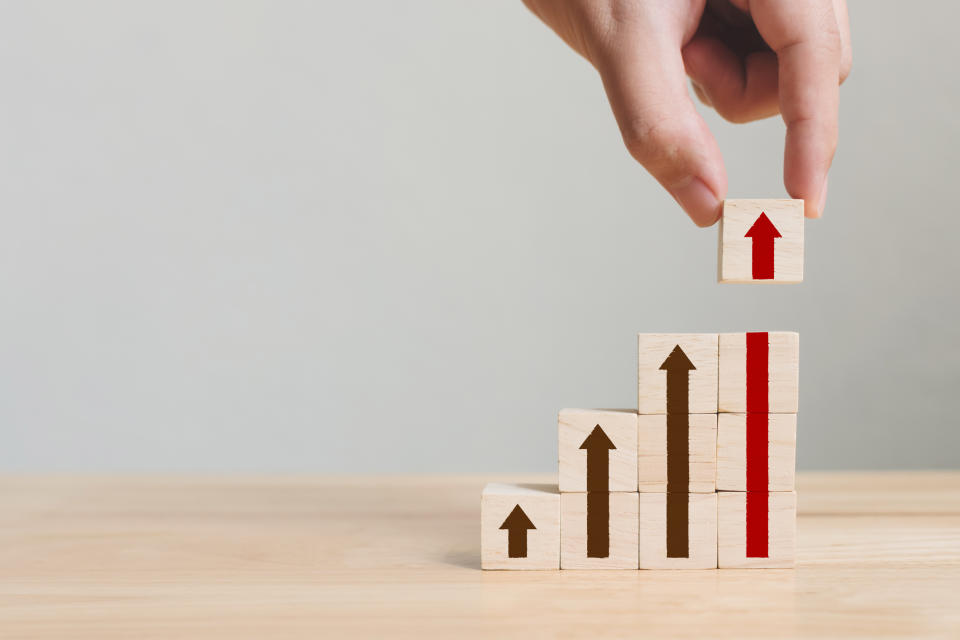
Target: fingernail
x=700 y=203
x=823 y=198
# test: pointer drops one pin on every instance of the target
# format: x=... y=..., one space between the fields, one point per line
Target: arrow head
x=677 y=361
x=517 y=520
x=597 y=440
x=762 y=228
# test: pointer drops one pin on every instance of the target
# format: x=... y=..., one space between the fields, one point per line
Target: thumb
x=646 y=85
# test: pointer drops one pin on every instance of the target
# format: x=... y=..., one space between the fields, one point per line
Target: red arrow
x=763 y=233
x=516 y=525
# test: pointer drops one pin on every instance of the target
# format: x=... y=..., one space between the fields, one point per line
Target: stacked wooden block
x=761 y=241
x=756 y=449
x=701 y=475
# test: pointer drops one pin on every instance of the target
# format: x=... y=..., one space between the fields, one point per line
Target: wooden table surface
x=167 y=557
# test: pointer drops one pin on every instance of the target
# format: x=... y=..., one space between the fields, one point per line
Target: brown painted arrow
x=517 y=524
x=598 y=447
x=678 y=367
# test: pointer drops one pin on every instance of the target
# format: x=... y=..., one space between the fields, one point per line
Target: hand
x=748 y=59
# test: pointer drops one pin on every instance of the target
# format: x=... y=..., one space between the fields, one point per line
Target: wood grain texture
x=652 y=453
x=702 y=351
x=878 y=556
x=732 y=451
x=623 y=532
x=736 y=250
x=702 y=532
x=731 y=531
x=783 y=372
x=574 y=425
x=541 y=504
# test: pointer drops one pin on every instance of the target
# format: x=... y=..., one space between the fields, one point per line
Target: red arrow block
x=761 y=241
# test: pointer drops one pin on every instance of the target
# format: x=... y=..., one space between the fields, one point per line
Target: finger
x=843 y=25
x=846 y=49
x=647 y=89
x=806 y=39
x=741 y=90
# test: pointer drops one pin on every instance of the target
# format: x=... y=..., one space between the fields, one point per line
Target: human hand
x=748 y=59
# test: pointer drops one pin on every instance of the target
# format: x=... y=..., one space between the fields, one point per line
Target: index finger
x=806 y=38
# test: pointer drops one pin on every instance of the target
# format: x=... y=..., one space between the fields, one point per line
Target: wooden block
x=759 y=372
x=682 y=366
x=665 y=543
x=701 y=458
x=520 y=526
x=761 y=241
x=741 y=528
x=598 y=530
x=781 y=451
x=613 y=447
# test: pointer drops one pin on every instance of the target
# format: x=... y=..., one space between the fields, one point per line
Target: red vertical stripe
x=758 y=355
x=758 y=404
x=762 y=267
x=757 y=533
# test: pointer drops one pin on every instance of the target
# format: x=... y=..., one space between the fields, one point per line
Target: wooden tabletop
x=159 y=557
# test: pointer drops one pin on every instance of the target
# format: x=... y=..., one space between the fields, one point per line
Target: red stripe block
x=758 y=404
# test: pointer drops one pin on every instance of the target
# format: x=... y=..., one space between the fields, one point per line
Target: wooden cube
x=603 y=441
x=678 y=531
x=677 y=373
x=598 y=530
x=520 y=527
x=756 y=529
x=761 y=241
x=759 y=372
x=698 y=454
x=777 y=448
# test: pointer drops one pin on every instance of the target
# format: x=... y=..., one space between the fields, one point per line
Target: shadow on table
x=464 y=558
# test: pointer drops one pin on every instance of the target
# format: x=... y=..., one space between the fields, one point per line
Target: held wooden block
x=732 y=451
x=759 y=372
x=697 y=544
x=701 y=460
x=682 y=366
x=756 y=529
x=761 y=241
x=520 y=527
x=598 y=530
x=615 y=444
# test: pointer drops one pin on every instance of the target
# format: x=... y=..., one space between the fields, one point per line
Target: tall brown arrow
x=517 y=524
x=598 y=448
x=678 y=367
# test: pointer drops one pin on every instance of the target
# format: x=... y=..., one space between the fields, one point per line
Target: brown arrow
x=598 y=447
x=678 y=367
x=517 y=524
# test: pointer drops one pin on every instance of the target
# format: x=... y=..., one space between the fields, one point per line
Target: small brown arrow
x=517 y=524
x=598 y=447
x=678 y=367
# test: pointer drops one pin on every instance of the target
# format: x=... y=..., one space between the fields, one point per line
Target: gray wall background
x=398 y=236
